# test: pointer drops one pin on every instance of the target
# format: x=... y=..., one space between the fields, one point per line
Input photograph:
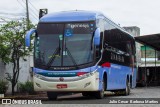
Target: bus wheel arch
x=105 y=80
x=100 y=94
x=131 y=81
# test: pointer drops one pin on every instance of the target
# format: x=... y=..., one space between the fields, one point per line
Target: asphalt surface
x=140 y=92
x=77 y=100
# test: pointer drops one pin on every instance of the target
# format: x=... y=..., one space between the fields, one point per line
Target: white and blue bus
x=82 y=51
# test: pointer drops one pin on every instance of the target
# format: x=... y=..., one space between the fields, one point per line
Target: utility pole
x=27 y=14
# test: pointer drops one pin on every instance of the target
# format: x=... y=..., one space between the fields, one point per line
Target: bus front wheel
x=52 y=95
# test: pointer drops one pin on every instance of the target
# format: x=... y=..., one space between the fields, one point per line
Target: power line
x=3 y=19
x=21 y=4
x=12 y=14
x=31 y=9
x=9 y=18
x=33 y=16
x=34 y=12
x=31 y=13
x=33 y=6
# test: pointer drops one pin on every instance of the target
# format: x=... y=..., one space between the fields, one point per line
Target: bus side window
x=134 y=48
x=129 y=48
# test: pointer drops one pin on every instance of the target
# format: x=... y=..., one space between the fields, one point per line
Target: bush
x=3 y=86
x=26 y=87
x=29 y=87
x=21 y=87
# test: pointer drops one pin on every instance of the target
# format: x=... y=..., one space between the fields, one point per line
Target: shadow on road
x=79 y=99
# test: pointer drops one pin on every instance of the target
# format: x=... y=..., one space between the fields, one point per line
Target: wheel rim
x=102 y=91
x=127 y=88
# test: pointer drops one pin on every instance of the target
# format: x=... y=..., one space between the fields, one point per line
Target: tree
x=12 y=47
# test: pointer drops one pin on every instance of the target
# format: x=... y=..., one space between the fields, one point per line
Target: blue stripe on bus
x=116 y=75
x=70 y=73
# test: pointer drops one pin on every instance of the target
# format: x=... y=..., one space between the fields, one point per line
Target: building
x=150 y=66
x=24 y=74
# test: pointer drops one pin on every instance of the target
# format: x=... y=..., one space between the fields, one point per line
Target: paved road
x=77 y=100
x=140 y=92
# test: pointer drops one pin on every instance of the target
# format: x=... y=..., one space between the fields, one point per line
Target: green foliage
x=29 y=87
x=12 y=42
x=3 y=86
x=26 y=87
x=12 y=47
x=21 y=87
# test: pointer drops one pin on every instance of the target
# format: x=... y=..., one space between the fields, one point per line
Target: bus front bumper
x=69 y=84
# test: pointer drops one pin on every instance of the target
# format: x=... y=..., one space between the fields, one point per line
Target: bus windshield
x=63 y=45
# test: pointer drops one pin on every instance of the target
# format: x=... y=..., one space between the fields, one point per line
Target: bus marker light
x=106 y=64
x=81 y=73
x=59 y=86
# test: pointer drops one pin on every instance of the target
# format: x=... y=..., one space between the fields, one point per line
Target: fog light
x=38 y=76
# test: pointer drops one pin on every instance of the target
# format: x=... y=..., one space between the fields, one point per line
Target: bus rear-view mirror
x=28 y=37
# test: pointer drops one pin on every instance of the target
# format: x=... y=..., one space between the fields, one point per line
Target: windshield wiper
x=73 y=60
x=52 y=58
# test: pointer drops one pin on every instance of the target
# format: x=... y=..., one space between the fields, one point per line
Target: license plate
x=59 y=86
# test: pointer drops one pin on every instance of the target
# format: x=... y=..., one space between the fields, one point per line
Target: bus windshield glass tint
x=68 y=44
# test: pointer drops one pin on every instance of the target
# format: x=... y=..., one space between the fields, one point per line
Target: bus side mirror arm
x=97 y=37
x=28 y=37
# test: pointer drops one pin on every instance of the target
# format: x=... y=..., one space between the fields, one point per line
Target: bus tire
x=100 y=94
x=143 y=83
x=127 y=89
x=52 y=95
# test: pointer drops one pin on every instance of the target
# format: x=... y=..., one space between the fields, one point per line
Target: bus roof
x=70 y=16
x=76 y=16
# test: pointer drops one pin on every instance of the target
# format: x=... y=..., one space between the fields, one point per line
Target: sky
x=141 y=13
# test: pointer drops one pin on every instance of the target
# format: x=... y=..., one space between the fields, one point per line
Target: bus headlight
x=38 y=76
x=88 y=74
